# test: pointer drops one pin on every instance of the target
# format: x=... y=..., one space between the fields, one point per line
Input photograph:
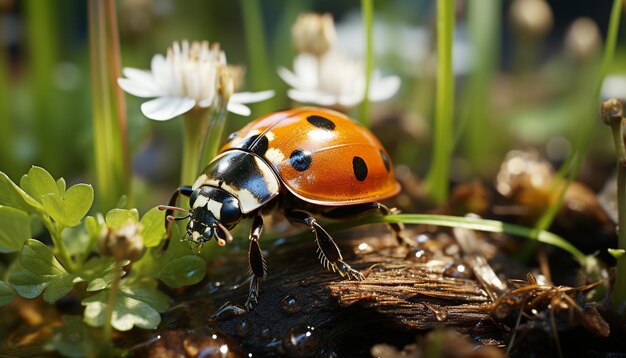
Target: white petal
x=384 y=88
x=316 y=97
x=306 y=68
x=292 y=80
x=137 y=74
x=139 y=88
x=238 y=108
x=157 y=64
x=164 y=108
x=251 y=97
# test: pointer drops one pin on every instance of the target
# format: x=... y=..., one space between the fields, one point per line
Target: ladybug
x=303 y=162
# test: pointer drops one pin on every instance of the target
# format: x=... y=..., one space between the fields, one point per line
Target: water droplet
x=441 y=314
x=244 y=328
x=301 y=341
x=422 y=238
x=364 y=248
x=419 y=255
x=458 y=270
x=291 y=304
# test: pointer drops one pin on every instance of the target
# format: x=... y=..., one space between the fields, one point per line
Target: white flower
x=613 y=86
x=335 y=79
x=188 y=77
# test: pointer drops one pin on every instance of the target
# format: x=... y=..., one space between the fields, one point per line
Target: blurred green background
x=518 y=84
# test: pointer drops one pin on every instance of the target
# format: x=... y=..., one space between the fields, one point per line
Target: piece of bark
x=304 y=310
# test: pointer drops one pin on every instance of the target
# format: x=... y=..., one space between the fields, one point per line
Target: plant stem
x=612 y=114
x=107 y=329
x=41 y=29
x=367 y=7
x=258 y=58
x=577 y=155
x=56 y=233
x=109 y=113
x=215 y=132
x=195 y=124
x=437 y=181
x=7 y=161
x=485 y=32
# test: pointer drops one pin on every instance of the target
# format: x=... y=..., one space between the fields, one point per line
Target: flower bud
x=612 y=111
x=314 y=33
x=125 y=243
x=583 y=38
x=531 y=17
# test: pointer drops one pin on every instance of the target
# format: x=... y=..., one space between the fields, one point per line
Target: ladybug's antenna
x=172 y=218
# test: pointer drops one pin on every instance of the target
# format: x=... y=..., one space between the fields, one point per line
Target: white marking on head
x=195 y=235
x=215 y=207
x=270 y=136
x=201 y=201
x=275 y=155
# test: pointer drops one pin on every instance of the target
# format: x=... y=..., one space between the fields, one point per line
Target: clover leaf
x=13 y=196
x=38 y=182
x=41 y=272
x=14 y=229
x=70 y=207
x=187 y=270
x=152 y=227
x=138 y=303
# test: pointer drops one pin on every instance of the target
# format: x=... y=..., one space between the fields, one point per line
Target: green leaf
x=38 y=182
x=187 y=270
x=6 y=294
x=134 y=306
x=99 y=272
x=146 y=291
x=14 y=229
x=61 y=186
x=617 y=253
x=38 y=258
x=70 y=208
x=118 y=218
x=41 y=272
x=11 y=195
x=153 y=227
x=28 y=284
x=58 y=287
x=74 y=338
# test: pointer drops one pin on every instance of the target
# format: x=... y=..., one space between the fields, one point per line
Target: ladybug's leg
x=355 y=210
x=329 y=253
x=257 y=262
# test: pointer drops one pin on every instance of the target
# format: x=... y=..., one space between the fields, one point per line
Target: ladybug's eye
x=230 y=213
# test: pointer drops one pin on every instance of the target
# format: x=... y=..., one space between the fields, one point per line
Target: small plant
x=89 y=256
x=613 y=116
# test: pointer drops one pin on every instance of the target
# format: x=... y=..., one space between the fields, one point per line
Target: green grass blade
x=437 y=180
x=367 y=7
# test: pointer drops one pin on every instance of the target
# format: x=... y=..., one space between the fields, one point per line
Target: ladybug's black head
x=213 y=213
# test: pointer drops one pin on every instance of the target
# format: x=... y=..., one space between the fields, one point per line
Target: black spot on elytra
x=300 y=160
x=321 y=122
x=385 y=160
x=256 y=145
x=231 y=137
x=360 y=168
